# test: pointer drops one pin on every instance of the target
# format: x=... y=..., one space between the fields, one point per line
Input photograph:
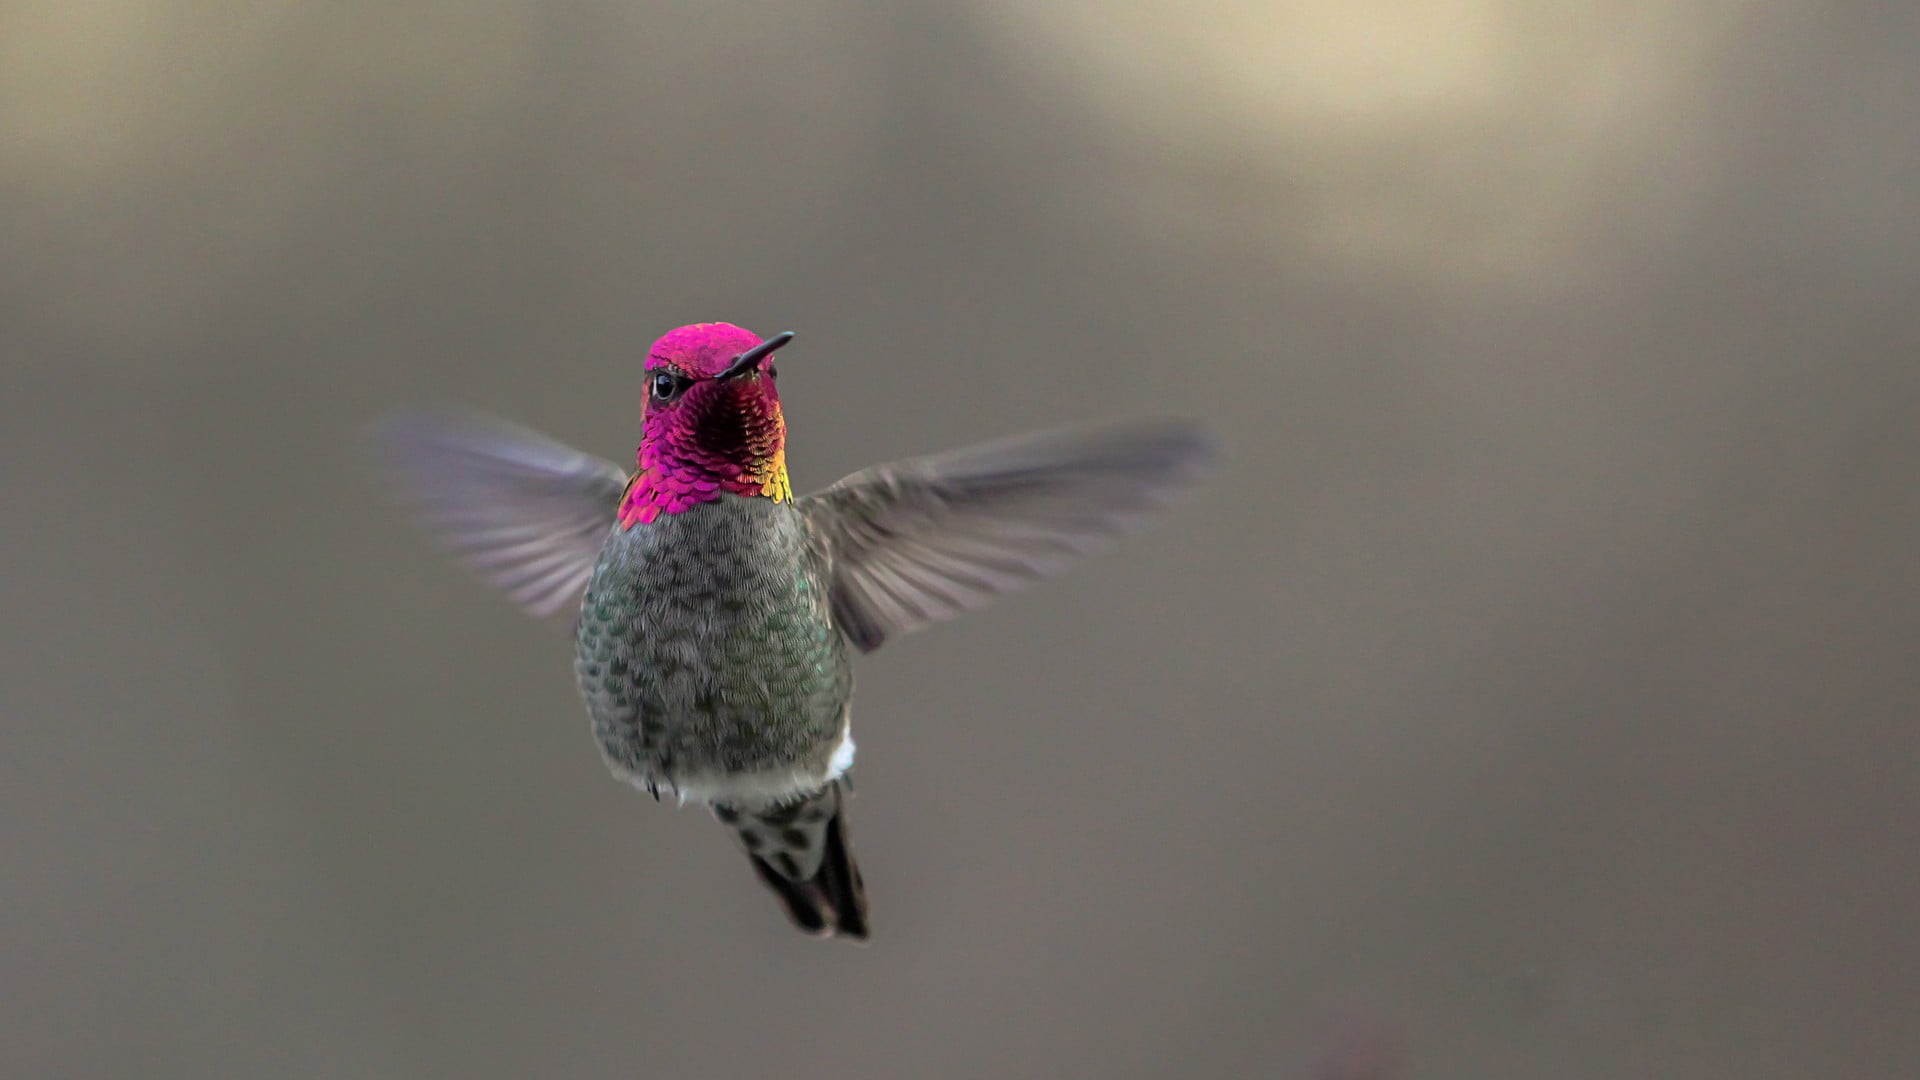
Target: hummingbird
x=717 y=614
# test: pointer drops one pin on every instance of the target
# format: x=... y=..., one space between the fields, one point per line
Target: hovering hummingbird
x=716 y=612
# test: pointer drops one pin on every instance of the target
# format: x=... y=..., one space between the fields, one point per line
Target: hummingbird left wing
x=528 y=513
x=918 y=541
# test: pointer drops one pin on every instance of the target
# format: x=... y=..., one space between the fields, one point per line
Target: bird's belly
x=711 y=714
x=716 y=686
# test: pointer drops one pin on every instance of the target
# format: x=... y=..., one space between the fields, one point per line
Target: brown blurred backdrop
x=1531 y=692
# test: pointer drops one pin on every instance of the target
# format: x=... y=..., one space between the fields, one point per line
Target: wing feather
x=916 y=542
x=527 y=513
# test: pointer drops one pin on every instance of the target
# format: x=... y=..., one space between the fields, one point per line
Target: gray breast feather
x=705 y=645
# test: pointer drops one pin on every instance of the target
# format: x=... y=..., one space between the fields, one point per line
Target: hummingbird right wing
x=526 y=512
x=919 y=541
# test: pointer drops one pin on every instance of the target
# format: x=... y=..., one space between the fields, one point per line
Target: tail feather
x=799 y=850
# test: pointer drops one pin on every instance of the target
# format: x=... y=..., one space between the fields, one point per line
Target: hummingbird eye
x=667 y=386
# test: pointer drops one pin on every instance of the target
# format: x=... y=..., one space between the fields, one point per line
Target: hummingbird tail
x=799 y=849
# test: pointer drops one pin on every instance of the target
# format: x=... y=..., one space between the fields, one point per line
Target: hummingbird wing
x=915 y=542
x=526 y=512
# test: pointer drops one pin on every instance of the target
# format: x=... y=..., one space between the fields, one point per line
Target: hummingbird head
x=711 y=422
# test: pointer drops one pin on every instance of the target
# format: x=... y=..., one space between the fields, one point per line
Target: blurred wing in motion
x=919 y=541
x=529 y=514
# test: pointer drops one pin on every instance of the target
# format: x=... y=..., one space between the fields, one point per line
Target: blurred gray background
x=1530 y=693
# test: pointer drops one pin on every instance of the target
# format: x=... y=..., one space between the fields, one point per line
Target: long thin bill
x=750 y=359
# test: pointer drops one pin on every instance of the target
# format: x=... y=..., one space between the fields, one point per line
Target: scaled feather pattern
x=717 y=437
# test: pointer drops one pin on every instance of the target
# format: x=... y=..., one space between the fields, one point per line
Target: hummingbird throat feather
x=741 y=450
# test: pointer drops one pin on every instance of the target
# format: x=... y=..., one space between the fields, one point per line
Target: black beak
x=750 y=359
